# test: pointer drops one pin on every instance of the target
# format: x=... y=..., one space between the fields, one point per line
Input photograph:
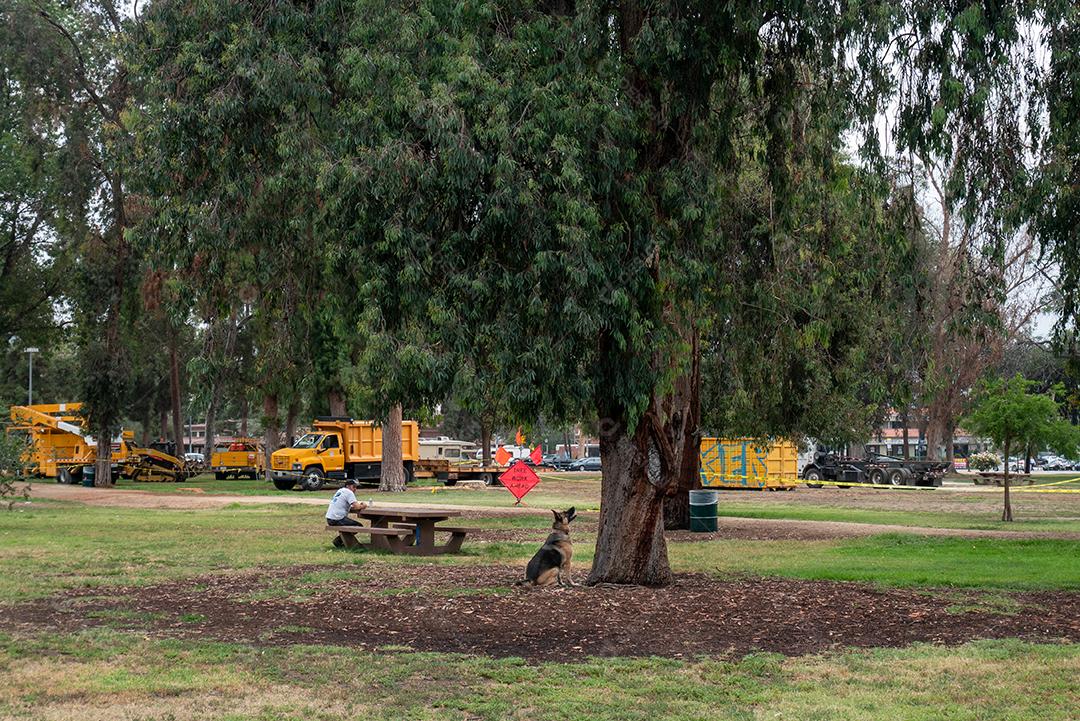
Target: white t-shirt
x=339 y=504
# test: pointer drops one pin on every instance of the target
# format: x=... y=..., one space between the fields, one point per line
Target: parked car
x=585 y=464
x=194 y=457
x=558 y=461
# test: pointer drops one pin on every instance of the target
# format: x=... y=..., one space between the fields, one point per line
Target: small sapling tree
x=1012 y=417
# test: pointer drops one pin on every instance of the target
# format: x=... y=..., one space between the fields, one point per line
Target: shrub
x=983 y=461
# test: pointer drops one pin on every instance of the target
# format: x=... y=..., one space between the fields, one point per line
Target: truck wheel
x=64 y=476
x=489 y=479
x=313 y=478
x=811 y=476
x=219 y=476
x=877 y=476
x=896 y=477
x=284 y=484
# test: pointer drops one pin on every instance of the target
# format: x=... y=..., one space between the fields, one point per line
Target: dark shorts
x=346 y=521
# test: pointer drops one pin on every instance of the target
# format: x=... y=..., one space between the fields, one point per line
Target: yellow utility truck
x=241 y=457
x=749 y=463
x=59 y=449
x=338 y=449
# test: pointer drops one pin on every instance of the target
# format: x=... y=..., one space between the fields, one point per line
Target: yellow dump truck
x=337 y=449
x=749 y=463
x=241 y=457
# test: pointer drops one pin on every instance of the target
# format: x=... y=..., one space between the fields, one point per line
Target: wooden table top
x=376 y=511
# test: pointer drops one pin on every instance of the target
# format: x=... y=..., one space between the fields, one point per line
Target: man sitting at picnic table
x=343 y=502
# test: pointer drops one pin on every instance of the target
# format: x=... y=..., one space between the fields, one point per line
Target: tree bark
x=103 y=459
x=146 y=427
x=271 y=439
x=174 y=394
x=337 y=403
x=677 y=503
x=935 y=438
x=211 y=422
x=641 y=465
x=392 y=470
x=1006 y=513
x=907 y=440
x=630 y=546
x=290 y=422
x=244 y=417
x=485 y=442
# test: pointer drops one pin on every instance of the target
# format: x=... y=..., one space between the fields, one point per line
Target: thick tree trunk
x=174 y=394
x=290 y=423
x=392 y=471
x=337 y=403
x=630 y=546
x=103 y=459
x=907 y=440
x=950 y=451
x=677 y=503
x=272 y=437
x=935 y=438
x=641 y=467
x=485 y=442
x=1006 y=513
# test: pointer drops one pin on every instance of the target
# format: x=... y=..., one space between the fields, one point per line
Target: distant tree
x=1006 y=412
x=12 y=447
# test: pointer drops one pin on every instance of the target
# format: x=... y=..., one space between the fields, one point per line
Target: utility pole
x=30 y=388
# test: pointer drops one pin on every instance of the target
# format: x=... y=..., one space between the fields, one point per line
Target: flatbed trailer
x=450 y=472
x=831 y=469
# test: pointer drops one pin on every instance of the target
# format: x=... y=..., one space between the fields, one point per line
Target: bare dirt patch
x=474 y=610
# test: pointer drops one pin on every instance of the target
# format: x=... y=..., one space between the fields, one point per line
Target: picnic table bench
x=404 y=530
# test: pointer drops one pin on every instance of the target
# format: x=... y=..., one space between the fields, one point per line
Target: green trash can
x=703 y=510
x=88 y=476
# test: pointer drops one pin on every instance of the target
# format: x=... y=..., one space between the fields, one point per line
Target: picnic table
x=409 y=531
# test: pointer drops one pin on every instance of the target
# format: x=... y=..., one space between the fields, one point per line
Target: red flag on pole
x=502 y=456
x=536 y=456
x=520 y=437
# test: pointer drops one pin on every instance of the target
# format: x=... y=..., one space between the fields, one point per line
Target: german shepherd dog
x=553 y=559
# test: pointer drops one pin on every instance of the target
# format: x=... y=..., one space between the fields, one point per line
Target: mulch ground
x=467 y=609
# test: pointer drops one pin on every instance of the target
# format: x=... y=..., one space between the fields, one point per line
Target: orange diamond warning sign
x=519 y=479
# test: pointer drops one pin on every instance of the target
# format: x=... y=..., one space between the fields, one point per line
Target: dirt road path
x=748 y=528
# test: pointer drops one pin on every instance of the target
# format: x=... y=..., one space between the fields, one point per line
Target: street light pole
x=30 y=388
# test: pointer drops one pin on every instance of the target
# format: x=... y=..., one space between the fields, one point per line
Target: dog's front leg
x=569 y=578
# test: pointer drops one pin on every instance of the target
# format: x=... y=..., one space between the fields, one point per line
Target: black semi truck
x=872 y=470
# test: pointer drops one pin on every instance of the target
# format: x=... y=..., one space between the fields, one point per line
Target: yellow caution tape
x=1055 y=483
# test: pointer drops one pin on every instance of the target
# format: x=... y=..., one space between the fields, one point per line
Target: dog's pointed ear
x=558 y=516
x=570 y=514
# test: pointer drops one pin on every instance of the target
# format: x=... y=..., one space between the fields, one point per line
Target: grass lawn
x=121 y=672
x=104 y=546
x=975 y=519
x=115 y=675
